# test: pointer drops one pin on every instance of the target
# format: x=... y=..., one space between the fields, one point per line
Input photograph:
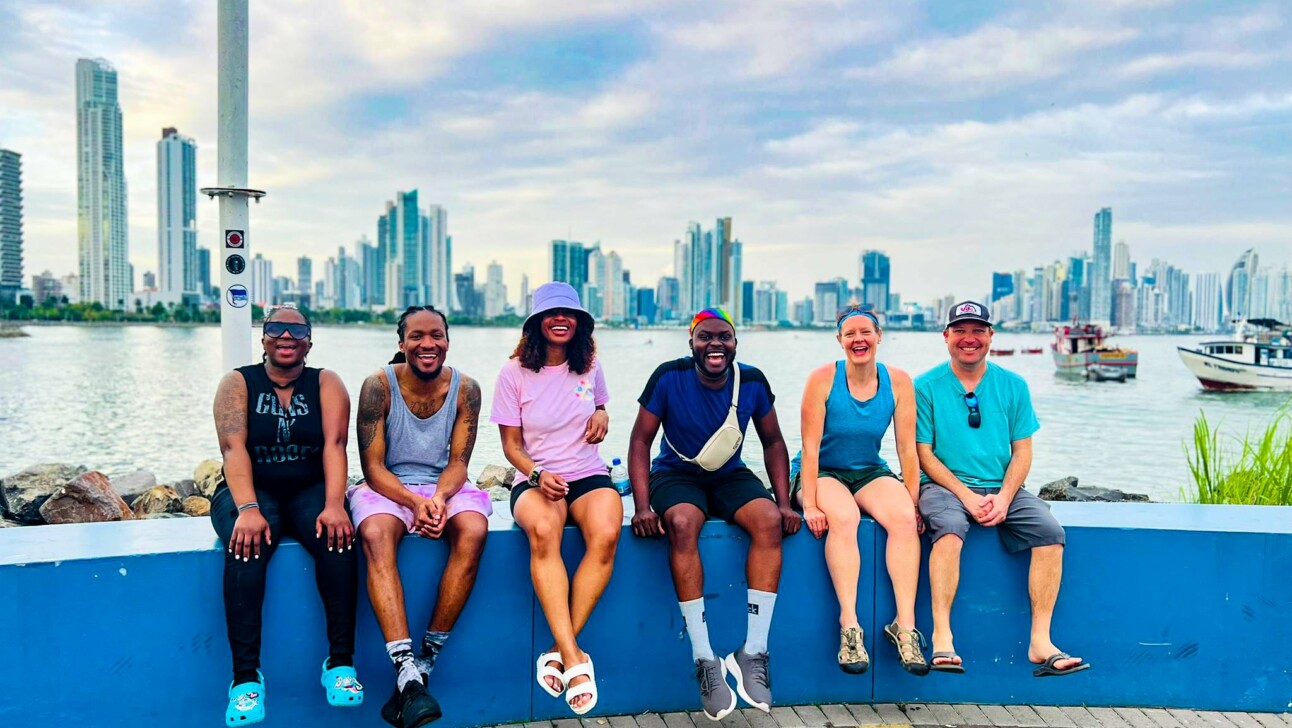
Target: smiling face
x=425 y=343
x=859 y=337
x=286 y=351
x=558 y=326
x=968 y=342
x=713 y=344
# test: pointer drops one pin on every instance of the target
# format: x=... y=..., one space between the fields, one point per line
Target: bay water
x=124 y=398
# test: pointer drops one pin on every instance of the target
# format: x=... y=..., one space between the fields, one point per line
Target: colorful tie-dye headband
x=711 y=313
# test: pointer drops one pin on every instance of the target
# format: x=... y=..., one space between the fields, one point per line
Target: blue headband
x=855 y=312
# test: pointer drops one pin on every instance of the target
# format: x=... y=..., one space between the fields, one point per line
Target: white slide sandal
x=587 y=688
x=545 y=671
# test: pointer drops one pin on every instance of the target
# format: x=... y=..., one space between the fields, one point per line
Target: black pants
x=335 y=572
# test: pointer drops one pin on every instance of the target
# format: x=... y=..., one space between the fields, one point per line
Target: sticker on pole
x=235 y=264
x=237 y=296
x=234 y=238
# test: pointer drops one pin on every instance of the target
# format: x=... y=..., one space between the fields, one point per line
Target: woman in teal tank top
x=848 y=406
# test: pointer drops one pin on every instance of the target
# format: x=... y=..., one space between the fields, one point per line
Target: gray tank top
x=417 y=450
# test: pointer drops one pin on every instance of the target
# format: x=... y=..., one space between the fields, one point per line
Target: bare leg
x=543 y=522
x=682 y=524
x=763 y=523
x=381 y=534
x=465 y=532
x=888 y=502
x=944 y=579
x=842 y=557
x=1043 y=588
x=600 y=517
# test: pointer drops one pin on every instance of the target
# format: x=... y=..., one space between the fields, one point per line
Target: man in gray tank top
x=417 y=427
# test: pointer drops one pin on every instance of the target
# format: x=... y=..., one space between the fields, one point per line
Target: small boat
x=1258 y=357
x=1034 y=350
x=1103 y=373
x=1079 y=346
x=1002 y=352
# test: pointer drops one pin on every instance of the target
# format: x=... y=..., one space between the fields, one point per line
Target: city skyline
x=924 y=132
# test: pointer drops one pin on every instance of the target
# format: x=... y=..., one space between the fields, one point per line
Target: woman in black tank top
x=283 y=429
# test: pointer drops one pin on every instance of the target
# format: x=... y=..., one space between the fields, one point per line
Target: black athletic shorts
x=716 y=494
x=578 y=488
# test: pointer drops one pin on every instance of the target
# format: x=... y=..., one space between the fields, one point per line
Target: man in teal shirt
x=973 y=434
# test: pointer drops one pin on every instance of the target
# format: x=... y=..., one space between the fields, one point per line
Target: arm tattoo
x=373 y=401
x=230 y=409
x=470 y=414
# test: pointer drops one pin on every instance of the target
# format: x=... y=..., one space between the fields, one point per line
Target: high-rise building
x=204 y=274
x=646 y=310
x=176 y=217
x=569 y=263
x=1123 y=304
x=495 y=291
x=262 y=281
x=615 y=302
x=526 y=301
x=1100 y=273
x=1208 y=302
x=373 y=264
x=830 y=297
x=682 y=274
x=1121 y=260
x=347 y=281
x=747 y=301
x=1282 y=306
x=1238 y=290
x=102 y=241
x=46 y=288
x=875 y=286
x=469 y=300
x=439 y=272
x=667 y=298
x=1002 y=284
x=11 y=226
x=417 y=254
x=305 y=279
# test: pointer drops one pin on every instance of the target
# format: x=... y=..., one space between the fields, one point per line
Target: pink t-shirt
x=552 y=407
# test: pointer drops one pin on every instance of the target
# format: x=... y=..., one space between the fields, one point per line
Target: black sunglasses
x=975 y=415
x=278 y=329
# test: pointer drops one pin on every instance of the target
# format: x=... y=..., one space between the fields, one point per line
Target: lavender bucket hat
x=556 y=295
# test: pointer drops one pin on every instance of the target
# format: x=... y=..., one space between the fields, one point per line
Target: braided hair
x=269 y=315
x=402 y=327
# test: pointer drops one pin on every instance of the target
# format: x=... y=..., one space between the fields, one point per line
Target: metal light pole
x=235 y=278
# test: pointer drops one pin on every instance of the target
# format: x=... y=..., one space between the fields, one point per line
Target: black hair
x=402 y=327
x=531 y=351
x=269 y=315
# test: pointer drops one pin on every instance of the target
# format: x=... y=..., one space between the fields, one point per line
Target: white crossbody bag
x=724 y=443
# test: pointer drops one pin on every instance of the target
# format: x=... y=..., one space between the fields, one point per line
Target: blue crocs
x=246 y=702
x=342 y=685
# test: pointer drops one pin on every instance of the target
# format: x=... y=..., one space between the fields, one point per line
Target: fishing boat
x=1078 y=347
x=1258 y=357
x=1002 y=352
x=1034 y=350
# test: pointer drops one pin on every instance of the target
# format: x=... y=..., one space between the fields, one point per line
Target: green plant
x=1262 y=473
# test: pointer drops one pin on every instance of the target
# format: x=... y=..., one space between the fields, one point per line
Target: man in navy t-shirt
x=674 y=495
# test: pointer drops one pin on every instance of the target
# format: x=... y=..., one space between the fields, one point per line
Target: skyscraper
x=373 y=264
x=305 y=280
x=1238 y=290
x=176 y=217
x=569 y=263
x=402 y=239
x=11 y=226
x=1121 y=260
x=204 y=273
x=495 y=291
x=262 y=281
x=1208 y=301
x=1100 y=274
x=1002 y=284
x=102 y=242
x=439 y=272
x=874 y=280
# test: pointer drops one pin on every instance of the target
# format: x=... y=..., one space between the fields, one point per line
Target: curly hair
x=579 y=353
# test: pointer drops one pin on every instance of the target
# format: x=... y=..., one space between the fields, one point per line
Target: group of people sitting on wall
x=963 y=435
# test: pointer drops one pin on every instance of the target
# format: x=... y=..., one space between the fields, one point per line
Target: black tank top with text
x=285 y=445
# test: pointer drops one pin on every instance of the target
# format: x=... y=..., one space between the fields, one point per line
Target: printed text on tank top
x=285 y=390
x=421 y=406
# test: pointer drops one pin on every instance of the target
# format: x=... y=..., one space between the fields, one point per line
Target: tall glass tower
x=102 y=240
x=177 y=217
x=1101 y=301
x=10 y=225
x=874 y=280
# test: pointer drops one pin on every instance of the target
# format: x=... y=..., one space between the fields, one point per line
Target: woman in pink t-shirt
x=550 y=408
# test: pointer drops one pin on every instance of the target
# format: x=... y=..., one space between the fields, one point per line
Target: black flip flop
x=1047 y=669
x=951 y=667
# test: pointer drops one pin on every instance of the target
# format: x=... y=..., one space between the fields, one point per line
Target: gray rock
x=186 y=488
x=133 y=485
x=89 y=498
x=23 y=493
x=6 y=523
x=196 y=505
x=1066 y=489
x=207 y=476
x=155 y=516
x=161 y=499
x=494 y=476
x=498 y=493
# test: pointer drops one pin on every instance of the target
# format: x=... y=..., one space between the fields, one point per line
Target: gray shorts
x=1028 y=523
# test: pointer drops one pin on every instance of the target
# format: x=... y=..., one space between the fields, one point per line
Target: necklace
x=288 y=385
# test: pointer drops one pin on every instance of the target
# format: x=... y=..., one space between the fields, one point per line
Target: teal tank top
x=853 y=428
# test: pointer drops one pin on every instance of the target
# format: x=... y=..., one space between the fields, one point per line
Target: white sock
x=697 y=629
x=761 y=604
x=401 y=653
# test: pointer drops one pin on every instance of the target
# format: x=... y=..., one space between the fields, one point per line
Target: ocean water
x=119 y=399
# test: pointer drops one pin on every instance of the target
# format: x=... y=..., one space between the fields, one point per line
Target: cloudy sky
x=960 y=138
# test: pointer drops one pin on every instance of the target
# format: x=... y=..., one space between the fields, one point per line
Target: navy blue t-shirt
x=691 y=412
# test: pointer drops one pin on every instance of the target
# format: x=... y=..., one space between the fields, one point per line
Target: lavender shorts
x=365 y=502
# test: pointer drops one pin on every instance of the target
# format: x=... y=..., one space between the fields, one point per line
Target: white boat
x=1258 y=357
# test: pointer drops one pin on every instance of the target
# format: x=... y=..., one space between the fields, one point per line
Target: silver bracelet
x=248 y=506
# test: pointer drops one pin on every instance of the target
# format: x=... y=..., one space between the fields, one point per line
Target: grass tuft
x=1261 y=474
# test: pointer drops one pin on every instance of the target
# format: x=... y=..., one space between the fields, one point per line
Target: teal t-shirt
x=978 y=456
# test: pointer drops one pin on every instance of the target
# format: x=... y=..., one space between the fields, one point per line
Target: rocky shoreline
x=60 y=493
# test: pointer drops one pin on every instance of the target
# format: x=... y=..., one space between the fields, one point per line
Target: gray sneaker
x=753 y=677
x=715 y=696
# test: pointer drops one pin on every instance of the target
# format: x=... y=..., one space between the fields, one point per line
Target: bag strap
x=731 y=414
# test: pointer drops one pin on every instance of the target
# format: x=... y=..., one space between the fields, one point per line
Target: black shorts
x=718 y=495
x=578 y=488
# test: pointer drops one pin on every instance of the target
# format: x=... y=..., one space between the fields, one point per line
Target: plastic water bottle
x=619 y=476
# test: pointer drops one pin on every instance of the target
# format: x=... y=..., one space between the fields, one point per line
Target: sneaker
x=715 y=695
x=411 y=707
x=753 y=677
x=852 y=651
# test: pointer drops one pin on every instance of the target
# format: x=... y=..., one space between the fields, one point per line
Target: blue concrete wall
x=1184 y=606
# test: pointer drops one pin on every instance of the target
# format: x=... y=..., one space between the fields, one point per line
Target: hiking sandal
x=909 y=652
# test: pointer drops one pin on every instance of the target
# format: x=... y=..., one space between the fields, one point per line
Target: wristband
x=534 y=476
x=248 y=506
